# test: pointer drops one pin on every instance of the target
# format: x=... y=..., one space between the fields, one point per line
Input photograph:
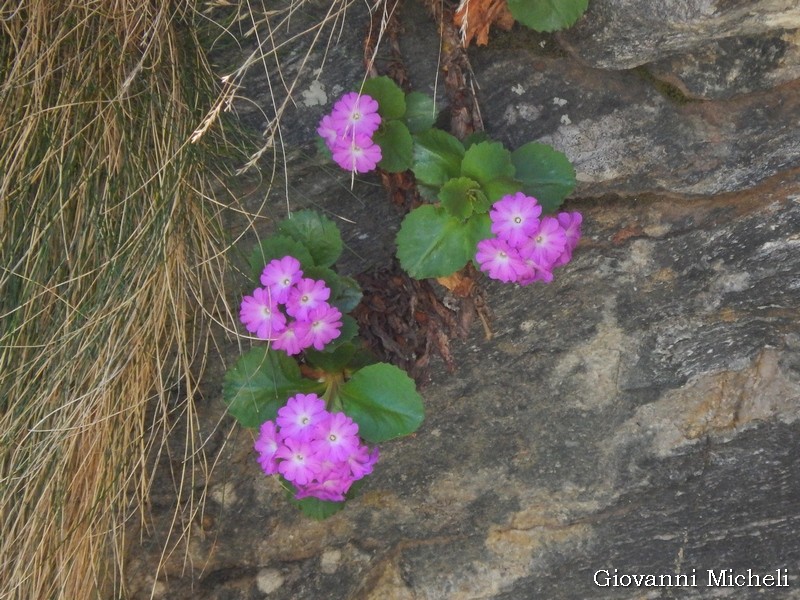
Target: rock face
x=729 y=67
x=626 y=134
x=638 y=416
x=622 y=34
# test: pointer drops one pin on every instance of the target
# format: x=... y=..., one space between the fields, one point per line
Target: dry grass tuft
x=108 y=249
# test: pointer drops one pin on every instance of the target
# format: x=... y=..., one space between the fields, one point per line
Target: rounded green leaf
x=347 y=294
x=547 y=15
x=276 y=247
x=260 y=383
x=383 y=400
x=391 y=99
x=348 y=331
x=437 y=157
x=312 y=507
x=420 y=112
x=545 y=173
x=331 y=361
x=431 y=243
x=458 y=195
x=476 y=137
x=487 y=161
x=497 y=188
x=317 y=233
x=396 y=146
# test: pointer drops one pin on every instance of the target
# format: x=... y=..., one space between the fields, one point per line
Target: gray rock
x=739 y=65
x=622 y=34
x=641 y=413
x=625 y=133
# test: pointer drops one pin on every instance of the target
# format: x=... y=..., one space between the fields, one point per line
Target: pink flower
x=515 y=218
x=535 y=273
x=280 y=275
x=290 y=340
x=321 y=463
x=362 y=461
x=571 y=223
x=323 y=325
x=356 y=114
x=260 y=315
x=328 y=131
x=546 y=245
x=306 y=295
x=301 y=415
x=331 y=489
x=267 y=446
x=336 y=437
x=298 y=464
x=499 y=260
x=358 y=154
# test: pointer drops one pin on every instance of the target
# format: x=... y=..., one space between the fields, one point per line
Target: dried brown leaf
x=475 y=17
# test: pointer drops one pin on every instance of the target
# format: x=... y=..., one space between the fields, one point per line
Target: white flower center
x=517 y=220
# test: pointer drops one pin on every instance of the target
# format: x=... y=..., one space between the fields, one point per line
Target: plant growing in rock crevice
x=299 y=290
x=316 y=394
x=460 y=181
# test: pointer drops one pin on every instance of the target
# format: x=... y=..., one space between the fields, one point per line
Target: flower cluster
x=527 y=248
x=314 y=323
x=348 y=130
x=319 y=452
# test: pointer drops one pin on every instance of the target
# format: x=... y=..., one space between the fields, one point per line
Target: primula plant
x=316 y=396
x=484 y=203
x=320 y=402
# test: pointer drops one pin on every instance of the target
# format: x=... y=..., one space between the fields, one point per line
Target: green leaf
x=420 y=112
x=545 y=173
x=396 y=146
x=362 y=358
x=260 y=383
x=458 y=196
x=317 y=233
x=391 y=99
x=428 y=192
x=312 y=507
x=547 y=15
x=323 y=150
x=383 y=400
x=431 y=243
x=317 y=509
x=487 y=161
x=335 y=360
x=502 y=186
x=348 y=331
x=329 y=276
x=437 y=157
x=476 y=137
x=276 y=246
x=346 y=295
x=480 y=201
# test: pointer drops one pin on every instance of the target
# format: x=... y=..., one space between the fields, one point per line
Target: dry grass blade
x=107 y=249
